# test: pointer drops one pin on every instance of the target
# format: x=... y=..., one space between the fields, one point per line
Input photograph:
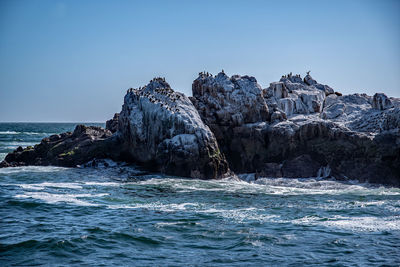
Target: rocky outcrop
x=311 y=130
x=161 y=129
x=112 y=124
x=157 y=128
x=67 y=149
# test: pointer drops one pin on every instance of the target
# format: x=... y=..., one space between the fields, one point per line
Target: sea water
x=124 y=216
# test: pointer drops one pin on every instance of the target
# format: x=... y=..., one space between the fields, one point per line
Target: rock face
x=66 y=149
x=112 y=124
x=162 y=129
x=227 y=105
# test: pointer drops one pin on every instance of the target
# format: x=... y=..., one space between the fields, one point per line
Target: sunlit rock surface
x=163 y=130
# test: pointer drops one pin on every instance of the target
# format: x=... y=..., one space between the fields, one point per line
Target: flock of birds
x=207 y=74
x=165 y=91
x=291 y=75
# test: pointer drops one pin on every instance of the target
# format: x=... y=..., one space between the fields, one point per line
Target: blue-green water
x=121 y=216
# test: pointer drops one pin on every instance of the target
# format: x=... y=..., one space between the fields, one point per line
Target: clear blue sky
x=74 y=60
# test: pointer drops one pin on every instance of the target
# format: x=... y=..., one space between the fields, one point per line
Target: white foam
x=157 y=206
x=28 y=133
x=41 y=186
x=102 y=183
x=57 y=198
x=11 y=170
x=356 y=223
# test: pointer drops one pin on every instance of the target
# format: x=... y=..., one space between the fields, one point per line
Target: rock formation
x=157 y=128
x=295 y=128
x=162 y=129
x=347 y=135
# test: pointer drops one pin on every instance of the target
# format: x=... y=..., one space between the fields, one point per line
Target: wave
x=26 y=133
x=29 y=169
x=41 y=186
x=62 y=198
x=354 y=223
x=73 y=185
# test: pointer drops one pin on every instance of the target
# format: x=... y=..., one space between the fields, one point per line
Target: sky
x=72 y=61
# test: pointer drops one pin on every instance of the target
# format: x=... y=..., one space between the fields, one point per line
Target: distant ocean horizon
x=121 y=215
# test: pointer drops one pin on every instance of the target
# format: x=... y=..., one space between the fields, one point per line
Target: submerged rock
x=162 y=129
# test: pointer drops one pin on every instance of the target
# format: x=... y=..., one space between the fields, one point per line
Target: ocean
x=125 y=216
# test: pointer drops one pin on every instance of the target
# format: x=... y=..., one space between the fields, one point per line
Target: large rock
x=311 y=131
x=228 y=105
x=66 y=149
x=161 y=129
x=223 y=100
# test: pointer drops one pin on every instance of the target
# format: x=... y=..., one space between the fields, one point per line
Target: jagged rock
x=112 y=124
x=295 y=96
x=327 y=128
x=66 y=149
x=356 y=113
x=381 y=101
x=162 y=129
x=310 y=81
x=223 y=100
